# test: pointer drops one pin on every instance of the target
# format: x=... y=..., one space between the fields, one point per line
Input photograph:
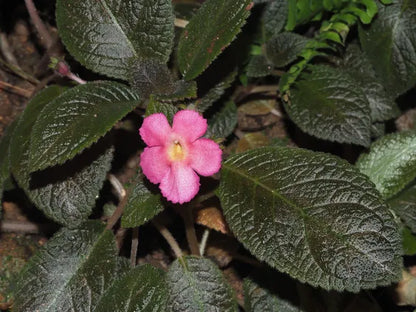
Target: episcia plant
x=268 y=123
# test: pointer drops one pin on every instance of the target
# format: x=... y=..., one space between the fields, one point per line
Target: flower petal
x=189 y=124
x=181 y=184
x=154 y=163
x=155 y=130
x=205 y=157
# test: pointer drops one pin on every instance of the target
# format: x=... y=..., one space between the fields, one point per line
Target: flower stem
x=190 y=231
x=134 y=245
x=169 y=238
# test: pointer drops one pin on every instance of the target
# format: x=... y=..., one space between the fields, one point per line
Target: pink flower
x=175 y=154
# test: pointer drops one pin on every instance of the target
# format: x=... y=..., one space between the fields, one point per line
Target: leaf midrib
x=304 y=216
x=81 y=264
x=114 y=20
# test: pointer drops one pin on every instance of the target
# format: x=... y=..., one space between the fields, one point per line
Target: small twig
x=118 y=187
x=201 y=198
x=134 y=246
x=181 y=23
x=204 y=241
x=19 y=72
x=7 y=51
x=119 y=211
x=20 y=227
x=169 y=238
x=11 y=88
x=190 y=230
x=43 y=32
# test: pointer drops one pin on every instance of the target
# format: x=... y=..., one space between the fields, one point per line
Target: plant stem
x=123 y=196
x=43 y=32
x=19 y=72
x=134 y=246
x=169 y=238
x=8 y=87
x=204 y=241
x=190 y=231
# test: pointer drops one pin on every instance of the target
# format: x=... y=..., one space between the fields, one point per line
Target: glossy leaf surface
x=390 y=44
x=196 y=284
x=141 y=289
x=311 y=215
x=70 y=273
x=77 y=119
x=330 y=105
x=210 y=31
x=106 y=35
x=391 y=162
x=141 y=206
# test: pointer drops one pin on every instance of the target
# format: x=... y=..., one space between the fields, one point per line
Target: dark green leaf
x=409 y=242
x=183 y=90
x=141 y=206
x=258 y=299
x=404 y=204
x=211 y=30
x=391 y=162
x=70 y=273
x=222 y=124
x=142 y=289
x=196 y=284
x=329 y=104
x=168 y=109
x=382 y=104
x=274 y=17
x=283 y=49
x=259 y=66
x=67 y=193
x=151 y=77
x=77 y=119
x=19 y=150
x=4 y=156
x=215 y=93
x=105 y=36
x=311 y=215
x=390 y=44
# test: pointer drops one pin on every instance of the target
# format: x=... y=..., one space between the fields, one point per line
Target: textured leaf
x=274 y=17
x=215 y=93
x=212 y=29
x=151 y=77
x=311 y=215
x=154 y=106
x=76 y=119
x=382 y=104
x=390 y=43
x=105 y=35
x=70 y=273
x=4 y=156
x=259 y=66
x=142 y=289
x=141 y=206
x=68 y=193
x=196 y=284
x=222 y=124
x=283 y=49
x=328 y=104
x=391 y=162
x=183 y=90
x=258 y=299
x=404 y=204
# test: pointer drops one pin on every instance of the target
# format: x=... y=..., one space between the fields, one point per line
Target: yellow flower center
x=176 y=151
